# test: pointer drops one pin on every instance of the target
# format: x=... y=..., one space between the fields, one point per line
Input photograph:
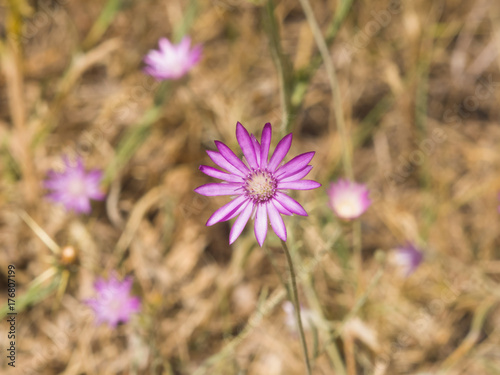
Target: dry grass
x=420 y=93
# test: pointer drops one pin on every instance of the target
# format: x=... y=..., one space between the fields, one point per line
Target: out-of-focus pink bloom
x=259 y=185
x=172 y=61
x=348 y=199
x=74 y=187
x=113 y=303
x=408 y=258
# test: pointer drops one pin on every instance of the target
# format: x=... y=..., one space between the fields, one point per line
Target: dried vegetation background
x=420 y=93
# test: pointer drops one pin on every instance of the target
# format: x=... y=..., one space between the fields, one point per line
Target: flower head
x=113 y=303
x=74 y=187
x=348 y=199
x=259 y=185
x=408 y=257
x=172 y=61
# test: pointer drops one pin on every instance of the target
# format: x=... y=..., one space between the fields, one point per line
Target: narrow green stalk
x=36 y=291
x=187 y=21
x=137 y=135
x=265 y=308
x=102 y=23
x=358 y=256
x=332 y=78
x=343 y=9
x=282 y=66
x=293 y=287
x=303 y=77
x=314 y=303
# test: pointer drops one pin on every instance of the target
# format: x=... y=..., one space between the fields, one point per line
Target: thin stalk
x=312 y=297
x=303 y=78
x=282 y=66
x=44 y=237
x=11 y=62
x=349 y=354
x=293 y=287
x=137 y=135
x=332 y=78
x=102 y=23
x=265 y=308
x=358 y=257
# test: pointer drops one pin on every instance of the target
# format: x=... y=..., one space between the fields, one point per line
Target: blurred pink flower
x=408 y=258
x=348 y=199
x=172 y=61
x=113 y=303
x=74 y=187
x=259 y=185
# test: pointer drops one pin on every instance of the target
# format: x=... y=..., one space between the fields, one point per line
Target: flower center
x=76 y=187
x=260 y=185
x=115 y=305
x=348 y=206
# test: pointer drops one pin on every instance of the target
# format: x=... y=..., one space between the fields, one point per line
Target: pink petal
x=299 y=185
x=266 y=143
x=256 y=147
x=183 y=46
x=226 y=210
x=223 y=163
x=81 y=204
x=241 y=222
x=260 y=227
x=297 y=176
x=282 y=210
x=234 y=213
x=276 y=221
x=294 y=165
x=280 y=152
x=216 y=189
x=165 y=45
x=290 y=204
x=230 y=156
x=246 y=145
x=213 y=172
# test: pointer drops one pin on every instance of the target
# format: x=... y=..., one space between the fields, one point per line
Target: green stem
x=102 y=23
x=282 y=66
x=295 y=296
x=332 y=78
x=137 y=134
x=358 y=256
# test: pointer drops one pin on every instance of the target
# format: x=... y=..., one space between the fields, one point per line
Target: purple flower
x=113 y=303
x=172 y=61
x=408 y=257
x=259 y=185
x=73 y=187
x=348 y=199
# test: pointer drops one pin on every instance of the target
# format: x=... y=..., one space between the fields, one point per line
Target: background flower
x=259 y=187
x=408 y=258
x=74 y=187
x=172 y=61
x=113 y=303
x=348 y=199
